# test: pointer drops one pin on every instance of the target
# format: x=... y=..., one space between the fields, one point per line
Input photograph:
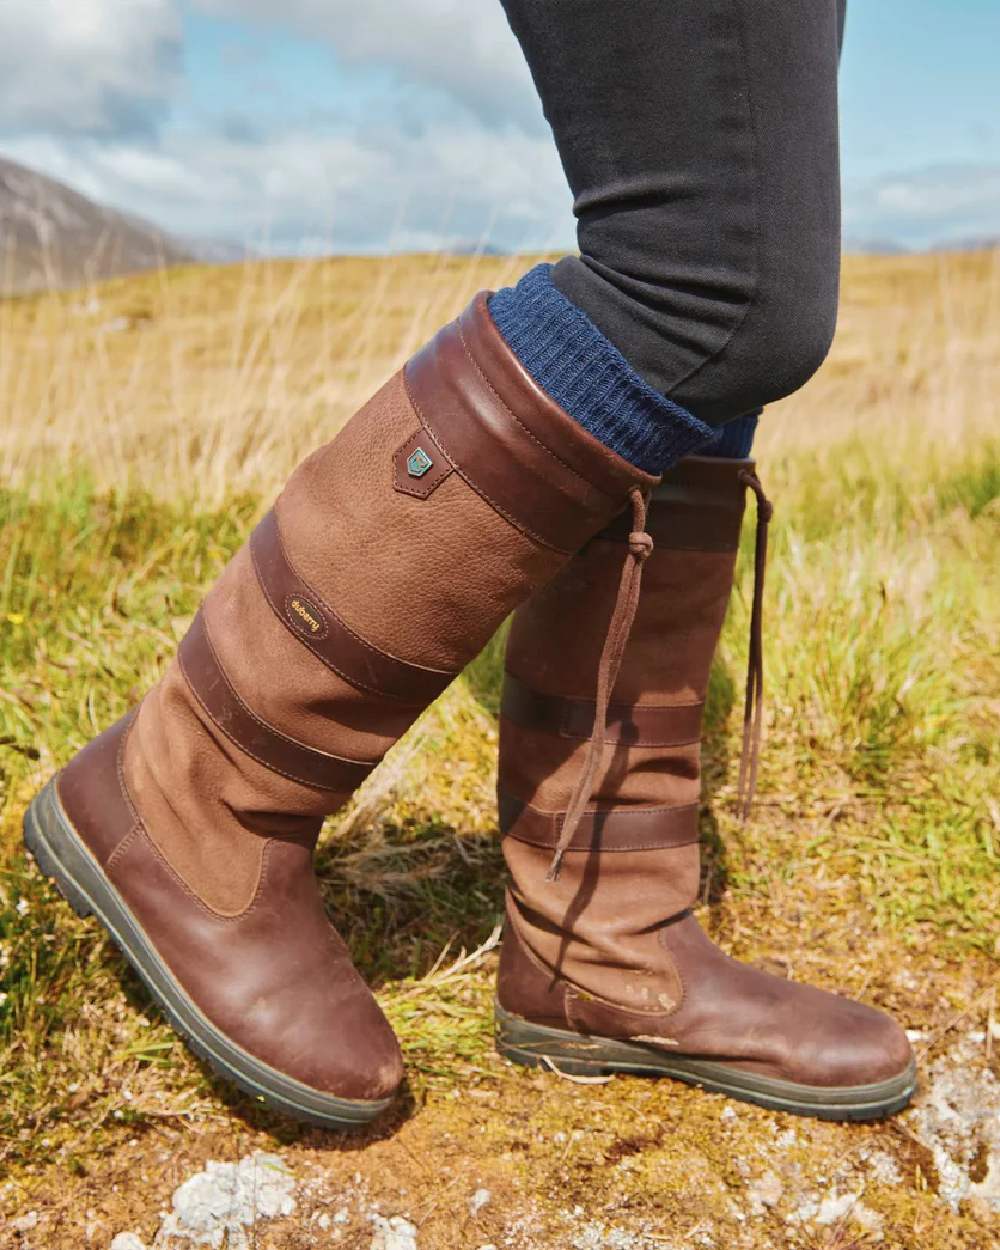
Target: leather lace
x=640 y=546
x=753 y=705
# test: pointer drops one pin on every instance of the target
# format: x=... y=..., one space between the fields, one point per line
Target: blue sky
x=307 y=125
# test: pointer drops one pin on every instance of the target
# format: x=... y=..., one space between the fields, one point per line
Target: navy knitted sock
x=590 y=379
x=734 y=439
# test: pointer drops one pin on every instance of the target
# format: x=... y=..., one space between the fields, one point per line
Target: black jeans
x=699 y=138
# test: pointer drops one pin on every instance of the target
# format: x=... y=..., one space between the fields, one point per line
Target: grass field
x=145 y=425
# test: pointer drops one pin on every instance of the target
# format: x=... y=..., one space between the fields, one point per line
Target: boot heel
x=537 y=1046
x=42 y=835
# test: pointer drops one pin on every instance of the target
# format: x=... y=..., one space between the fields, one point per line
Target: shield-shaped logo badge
x=418 y=463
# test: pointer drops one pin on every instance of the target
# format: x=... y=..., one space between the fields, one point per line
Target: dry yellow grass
x=211 y=381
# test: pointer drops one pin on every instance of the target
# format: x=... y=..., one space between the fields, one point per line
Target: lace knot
x=640 y=544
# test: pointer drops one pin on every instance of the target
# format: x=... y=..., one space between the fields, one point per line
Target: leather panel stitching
x=274 y=768
x=497 y=508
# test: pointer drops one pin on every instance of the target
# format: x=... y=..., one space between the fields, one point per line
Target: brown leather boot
x=604 y=968
x=389 y=559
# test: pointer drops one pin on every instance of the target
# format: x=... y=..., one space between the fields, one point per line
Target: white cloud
x=86 y=66
x=302 y=190
x=926 y=206
x=459 y=153
x=464 y=48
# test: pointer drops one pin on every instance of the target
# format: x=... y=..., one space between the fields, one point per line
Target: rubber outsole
x=575 y=1054
x=62 y=856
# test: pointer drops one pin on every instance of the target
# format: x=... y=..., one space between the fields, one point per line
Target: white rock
x=728 y=1113
x=225 y=1200
x=127 y=1241
x=341 y=1217
x=867 y=1220
x=765 y=1192
x=883 y=1168
x=597 y=1236
x=834 y=1208
x=958 y=1120
x=394 y=1233
x=25 y=1223
x=479 y=1200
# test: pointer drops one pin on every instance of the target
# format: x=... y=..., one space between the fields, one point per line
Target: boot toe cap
x=847 y=1043
x=339 y=1044
x=364 y=1062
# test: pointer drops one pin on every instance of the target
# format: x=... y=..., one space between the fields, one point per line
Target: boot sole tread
x=577 y=1054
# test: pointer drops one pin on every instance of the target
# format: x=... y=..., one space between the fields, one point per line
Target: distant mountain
x=858 y=246
x=887 y=247
x=976 y=243
x=51 y=236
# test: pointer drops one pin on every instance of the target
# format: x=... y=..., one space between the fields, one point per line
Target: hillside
x=51 y=236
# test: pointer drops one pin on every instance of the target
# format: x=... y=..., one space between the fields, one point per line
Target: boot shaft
x=651 y=754
x=391 y=556
x=633 y=861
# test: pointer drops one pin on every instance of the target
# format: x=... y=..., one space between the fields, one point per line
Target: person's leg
x=699 y=138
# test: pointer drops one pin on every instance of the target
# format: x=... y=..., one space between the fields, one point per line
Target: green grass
x=880 y=764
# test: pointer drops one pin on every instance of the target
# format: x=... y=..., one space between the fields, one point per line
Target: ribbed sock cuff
x=734 y=440
x=590 y=379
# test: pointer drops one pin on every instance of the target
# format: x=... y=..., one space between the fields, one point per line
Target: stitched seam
x=581 y=996
x=627 y=741
x=294 y=742
x=613 y=708
x=354 y=634
x=606 y=850
x=570 y=987
x=673 y=963
x=621 y=707
x=501 y=511
x=514 y=417
x=183 y=885
x=255 y=898
x=532 y=958
x=594 y=811
x=120 y=772
x=324 y=660
x=313 y=785
x=539 y=727
x=123 y=845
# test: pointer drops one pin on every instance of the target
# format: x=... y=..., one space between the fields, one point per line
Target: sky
x=332 y=125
